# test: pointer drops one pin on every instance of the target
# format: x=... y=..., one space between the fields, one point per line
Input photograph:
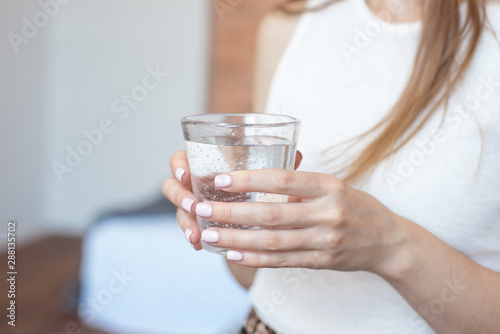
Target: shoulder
x=277 y=26
x=275 y=32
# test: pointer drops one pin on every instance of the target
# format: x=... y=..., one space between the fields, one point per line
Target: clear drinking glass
x=221 y=143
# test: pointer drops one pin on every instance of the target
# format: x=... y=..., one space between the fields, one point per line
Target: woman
x=395 y=222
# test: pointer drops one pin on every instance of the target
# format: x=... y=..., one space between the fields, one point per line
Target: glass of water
x=221 y=143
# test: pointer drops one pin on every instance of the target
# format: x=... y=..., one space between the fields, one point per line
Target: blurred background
x=91 y=97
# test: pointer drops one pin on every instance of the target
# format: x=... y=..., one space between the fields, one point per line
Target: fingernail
x=179 y=172
x=210 y=236
x=188 y=233
x=234 y=256
x=223 y=181
x=204 y=210
x=187 y=203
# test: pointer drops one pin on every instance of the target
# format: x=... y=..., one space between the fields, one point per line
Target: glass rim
x=193 y=119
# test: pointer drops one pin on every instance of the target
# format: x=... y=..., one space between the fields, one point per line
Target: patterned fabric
x=255 y=325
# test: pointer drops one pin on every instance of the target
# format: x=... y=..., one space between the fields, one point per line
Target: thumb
x=298 y=159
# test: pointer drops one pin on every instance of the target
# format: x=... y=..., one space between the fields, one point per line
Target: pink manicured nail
x=179 y=172
x=188 y=233
x=187 y=203
x=223 y=181
x=204 y=210
x=210 y=236
x=234 y=256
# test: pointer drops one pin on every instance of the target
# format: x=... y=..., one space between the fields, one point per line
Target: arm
x=451 y=292
x=275 y=31
x=337 y=227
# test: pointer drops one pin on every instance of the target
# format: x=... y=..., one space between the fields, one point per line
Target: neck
x=401 y=11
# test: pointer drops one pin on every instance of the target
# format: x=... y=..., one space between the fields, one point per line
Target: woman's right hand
x=178 y=190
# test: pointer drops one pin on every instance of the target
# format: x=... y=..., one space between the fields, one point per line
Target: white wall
x=23 y=97
x=65 y=80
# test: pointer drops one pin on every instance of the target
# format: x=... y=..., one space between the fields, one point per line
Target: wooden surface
x=48 y=268
x=233 y=54
x=47 y=272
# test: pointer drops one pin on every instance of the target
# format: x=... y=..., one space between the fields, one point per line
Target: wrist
x=403 y=252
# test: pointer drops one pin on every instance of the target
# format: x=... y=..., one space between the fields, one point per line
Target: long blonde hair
x=446 y=49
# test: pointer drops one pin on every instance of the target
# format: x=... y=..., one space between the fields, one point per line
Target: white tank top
x=341 y=73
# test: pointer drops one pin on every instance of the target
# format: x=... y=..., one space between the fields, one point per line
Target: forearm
x=244 y=275
x=451 y=292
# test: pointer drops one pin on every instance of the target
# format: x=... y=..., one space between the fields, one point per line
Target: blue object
x=140 y=275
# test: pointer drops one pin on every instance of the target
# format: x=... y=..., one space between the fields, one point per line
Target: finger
x=278 y=181
x=188 y=224
x=258 y=213
x=293 y=259
x=179 y=195
x=180 y=167
x=298 y=159
x=268 y=239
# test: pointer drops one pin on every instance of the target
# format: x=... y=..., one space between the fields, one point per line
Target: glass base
x=213 y=249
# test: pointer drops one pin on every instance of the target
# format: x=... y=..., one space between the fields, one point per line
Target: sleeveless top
x=341 y=73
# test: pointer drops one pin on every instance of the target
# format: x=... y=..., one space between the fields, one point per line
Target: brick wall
x=235 y=24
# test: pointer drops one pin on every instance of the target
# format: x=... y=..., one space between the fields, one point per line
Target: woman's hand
x=330 y=225
x=178 y=190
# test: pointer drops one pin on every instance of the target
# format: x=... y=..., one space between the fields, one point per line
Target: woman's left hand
x=328 y=225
